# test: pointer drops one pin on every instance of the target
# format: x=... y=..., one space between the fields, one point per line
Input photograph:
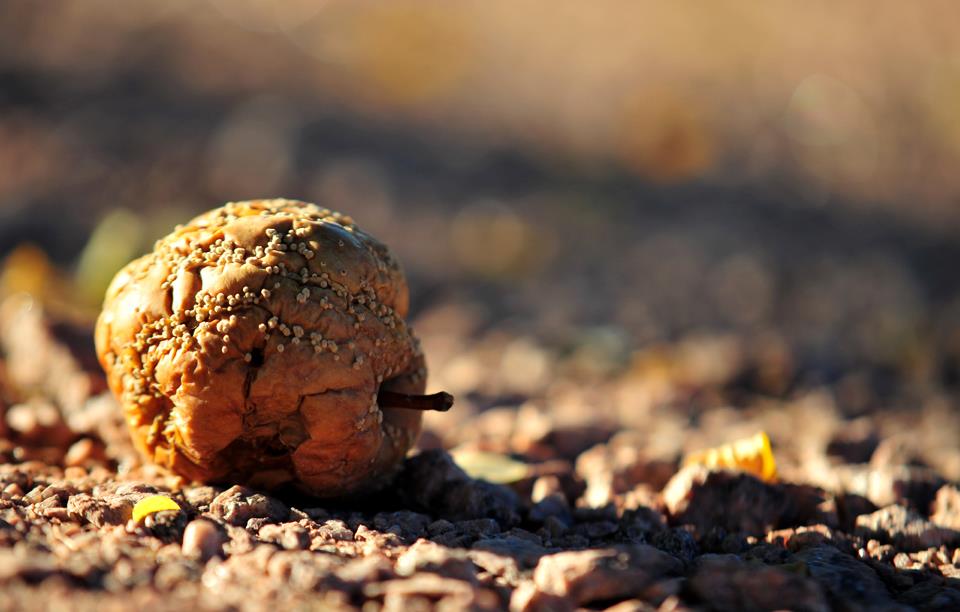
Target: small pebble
x=12 y=490
x=79 y=453
x=202 y=540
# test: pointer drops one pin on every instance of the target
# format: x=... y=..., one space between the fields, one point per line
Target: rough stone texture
x=946 y=507
x=904 y=529
x=526 y=553
x=100 y=512
x=718 y=498
x=845 y=580
x=427 y=556
x=604 y=574
x=724 y=582
x=431 y=480
x=289 y=536
x=238 y=505
x=108 y=508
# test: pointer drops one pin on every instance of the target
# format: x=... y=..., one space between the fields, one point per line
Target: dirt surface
x=626 y=241
x=600 y=517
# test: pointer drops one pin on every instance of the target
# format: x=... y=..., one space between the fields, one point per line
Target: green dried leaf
x=492 y=467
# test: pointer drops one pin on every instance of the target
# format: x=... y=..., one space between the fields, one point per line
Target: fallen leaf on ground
x=752 y=455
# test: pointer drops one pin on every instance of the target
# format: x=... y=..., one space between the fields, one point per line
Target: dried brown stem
x=440 y=402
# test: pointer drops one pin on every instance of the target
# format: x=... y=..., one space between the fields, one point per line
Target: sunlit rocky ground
x=627 y=240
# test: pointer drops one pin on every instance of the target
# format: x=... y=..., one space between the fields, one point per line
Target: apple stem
x=440 y=402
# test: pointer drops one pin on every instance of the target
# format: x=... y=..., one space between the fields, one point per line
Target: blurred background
x=746 y=198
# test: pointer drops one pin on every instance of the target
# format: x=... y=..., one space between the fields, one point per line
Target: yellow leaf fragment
x=27 y=270
x=492 y=467
x=752 y=455
x=154 y=503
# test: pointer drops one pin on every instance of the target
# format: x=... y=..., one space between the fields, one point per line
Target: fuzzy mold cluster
x=252 y=343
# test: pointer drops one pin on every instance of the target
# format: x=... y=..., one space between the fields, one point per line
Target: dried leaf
x=154 y=503
x=752 y=455
x=492 y=467
x=27 y=270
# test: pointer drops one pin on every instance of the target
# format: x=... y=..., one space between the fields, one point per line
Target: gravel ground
x=866 y=514
x=598 y=316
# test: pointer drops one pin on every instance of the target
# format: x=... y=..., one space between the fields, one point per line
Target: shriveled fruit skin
x=250 y=346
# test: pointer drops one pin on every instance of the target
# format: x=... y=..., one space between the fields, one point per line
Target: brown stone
x=904 y=529
x=202 y=540
x=946 y=507
x=718 y=498
x=724 y=582
x=237 y=505
x=603 y=574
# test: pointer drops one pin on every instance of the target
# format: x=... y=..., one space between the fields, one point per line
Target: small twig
x=440 y=402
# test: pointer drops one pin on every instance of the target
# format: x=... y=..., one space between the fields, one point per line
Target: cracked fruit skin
x=251 y=344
